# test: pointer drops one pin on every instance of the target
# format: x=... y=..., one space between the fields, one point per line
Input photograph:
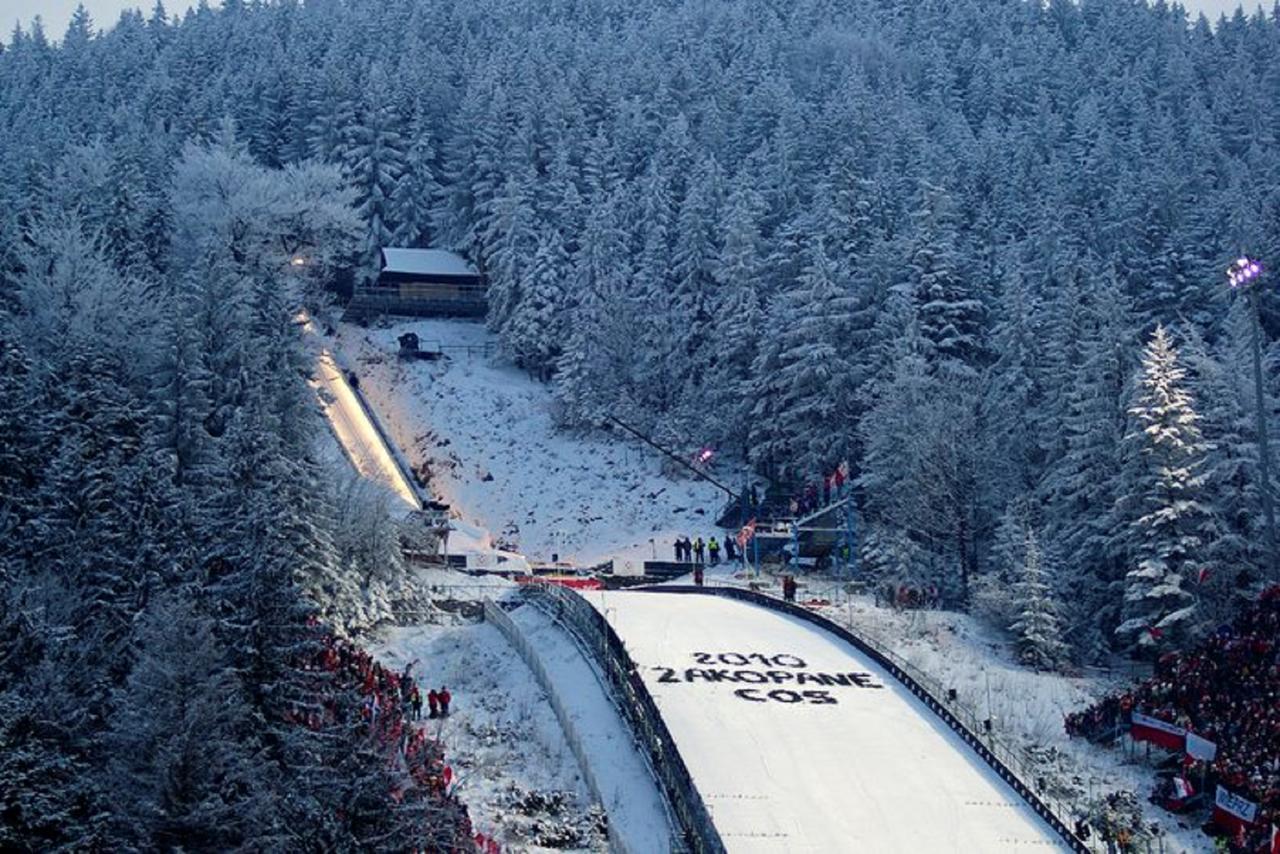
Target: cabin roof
x=426 y=262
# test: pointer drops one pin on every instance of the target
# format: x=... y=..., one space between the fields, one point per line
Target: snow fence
x=598 y=639
x=1057 y=814
x=493 y=613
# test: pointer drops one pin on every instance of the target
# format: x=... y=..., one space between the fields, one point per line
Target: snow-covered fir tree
x=1037 y=629
x=1176 y=521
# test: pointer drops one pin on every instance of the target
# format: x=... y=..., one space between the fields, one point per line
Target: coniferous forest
x=976 y=248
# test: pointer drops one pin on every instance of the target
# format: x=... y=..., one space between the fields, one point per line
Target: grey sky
x=56 y=13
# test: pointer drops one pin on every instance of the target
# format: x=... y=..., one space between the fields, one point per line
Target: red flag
x=748 y=531
x=448 y=774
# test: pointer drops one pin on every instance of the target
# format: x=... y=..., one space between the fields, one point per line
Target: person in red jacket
x=445 y=697
x=433 y=703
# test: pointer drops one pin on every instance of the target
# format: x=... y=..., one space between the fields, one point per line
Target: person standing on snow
x=445 y=698
x=713 y=550
x=679 y=546
x=698 y=550
x=687 y=545
x=730 y=546
x=433 y=702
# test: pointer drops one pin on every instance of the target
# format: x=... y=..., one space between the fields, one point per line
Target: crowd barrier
x=698 y=833
x=493 y=613
x=1057 y=813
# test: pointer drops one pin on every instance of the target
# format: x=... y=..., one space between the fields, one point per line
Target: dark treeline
x=169 y=532
x=932 y=238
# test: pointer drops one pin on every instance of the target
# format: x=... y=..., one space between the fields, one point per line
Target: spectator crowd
x=1227 y=690
x=389 y=706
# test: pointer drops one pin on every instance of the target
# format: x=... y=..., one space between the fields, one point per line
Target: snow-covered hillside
x=958 y=651
x=513 y=767
x=484 y=430
x=799 y=743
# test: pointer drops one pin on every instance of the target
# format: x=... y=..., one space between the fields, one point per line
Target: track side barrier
x=636 y=704
x=999 y=757
x=494 y=614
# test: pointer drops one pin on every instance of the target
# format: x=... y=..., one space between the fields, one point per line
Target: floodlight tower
x=1244 y=274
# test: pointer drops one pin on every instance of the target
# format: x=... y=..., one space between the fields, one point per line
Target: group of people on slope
x=698 y=552
x=437 y=703
x=386 y=707
x=1227 y=690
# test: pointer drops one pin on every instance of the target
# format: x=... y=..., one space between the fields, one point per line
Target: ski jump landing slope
x=798 y=742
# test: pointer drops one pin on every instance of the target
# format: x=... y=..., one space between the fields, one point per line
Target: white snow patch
x=485 y=430
x=959 y=651
x=631 y=796
x=501 y=732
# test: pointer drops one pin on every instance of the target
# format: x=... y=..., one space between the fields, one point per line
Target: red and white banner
x=748 y=531
x=577 y=582
x=1201 y=748
x=1182 y=788
x=1232 y=812
x=1158 y=732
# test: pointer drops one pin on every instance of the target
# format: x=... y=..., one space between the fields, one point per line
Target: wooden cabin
x=421 y=283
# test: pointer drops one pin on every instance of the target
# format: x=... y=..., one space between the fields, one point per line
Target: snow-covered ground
x=513 y=767
x=959 y=651
x=355 y=432
x=631 y=796
x=472 y=418
x=798 y=742
x=485 y=431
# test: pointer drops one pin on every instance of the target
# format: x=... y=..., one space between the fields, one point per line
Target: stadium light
x=1243 y=271
x=1243 y=275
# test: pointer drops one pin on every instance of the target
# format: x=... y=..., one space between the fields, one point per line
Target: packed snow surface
x=485 y=432
x=501 y=738
x=789 y=759
x=630 y=794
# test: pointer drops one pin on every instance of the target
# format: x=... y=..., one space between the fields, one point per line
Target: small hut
x=422 y=283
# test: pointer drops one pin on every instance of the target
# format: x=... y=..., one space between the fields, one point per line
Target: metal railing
x=1058 y=812
x=598 y=638
x=493 y=613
